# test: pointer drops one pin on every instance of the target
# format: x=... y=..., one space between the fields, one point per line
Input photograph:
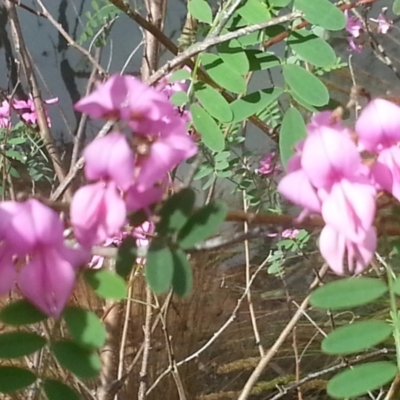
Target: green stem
x=394 y=312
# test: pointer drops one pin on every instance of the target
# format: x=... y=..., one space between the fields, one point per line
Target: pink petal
x=350 y=209
x=378 y=125
x=47 y=281
x=110 y=157
x=332 y=247
x=8 y=272
x=297 y=188
x=360 y=254
x=136 y=200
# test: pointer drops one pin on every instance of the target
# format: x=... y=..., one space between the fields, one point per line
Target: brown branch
x=27 y=66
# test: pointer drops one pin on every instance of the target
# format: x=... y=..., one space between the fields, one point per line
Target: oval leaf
x=213 y=102
x=21 y=312
x=361 y=379
x=14 y=378
x=293 y=129
x=347 y=293
x=85 y=327
x=222 y=74
x=211 y=134
x=18 y=344
x=182 y=280
x=202 y=224
x=234 y=56
x=254 y=11
x=253 y=103
x=106 y=284
x=82 y=362
x=356 y=337
x=305 y=85
x=200 y=10
x=312 y=49
x=159 y=267
x=322 y=13
x=56 y=390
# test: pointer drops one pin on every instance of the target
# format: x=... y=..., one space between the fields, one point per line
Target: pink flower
x=267 y=165
x=136 y=200
x=97 y=213
x=5 y=117
x=290 y=233
x=30 y=115
x=378 y=125
x=333 y=247
x=354 y=27
x=383 y=23
x=110 y=158
x=169 y=88
x=125 y=97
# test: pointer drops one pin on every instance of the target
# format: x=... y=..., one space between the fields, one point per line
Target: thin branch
x=280 y=340
x=226 y=14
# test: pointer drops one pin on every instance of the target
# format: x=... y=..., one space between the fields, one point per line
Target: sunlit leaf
x=322 y=13
x=261 y=60
x=396 y=7
x=179 y=99
x=213 y=102
x=222 y=74
x=159 y=267
x=234 y=56
x=179 y=75
x=348 y=293
x=85 y=327
x=18 y=344
x=209 y=130
x=293 y=129
x=14 y=378
x=21 y=312
x=56 y=390
x=202 y=224
x=361 y=379
x=81 y=361
x=356 y=337
x=106 y=284
x=200 y=10
x=305 y=85
x=254 y=11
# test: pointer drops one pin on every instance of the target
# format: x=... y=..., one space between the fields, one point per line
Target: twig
x=282 y=337
x=27 y=66
x=225 y=17
x=213 y=41
x=216 y=334
x=147 y=345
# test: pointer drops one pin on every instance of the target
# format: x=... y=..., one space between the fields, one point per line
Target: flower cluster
x=33 y=254
x=328 y=175
x=26 y=108
x=129 y=170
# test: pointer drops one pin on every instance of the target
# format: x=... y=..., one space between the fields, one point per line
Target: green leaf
x=312 y=48
x=176 y=211
x=213 y=102
x=200 y=10
x=182 y=280
x=396 y=285
x=126 y=257
x=361 y=379
x=18 y=344
x=222 y=74
x=233 y=54
x=179 y=99
x=21 y=312
x=56 y=390
x=202 y=224
x=293 y=129
x=254 y=11
x=14 y=378
x=348 y=293
x=280 y=3
x=396 y=7
x=253 y=103
x=159 y=267
x=106 y=284
x=211 y=134
x=81 y=361
x=261 y=60
x=179 y=75
x=322 y=13
x=356 y=337
x=305 y=85
x=85 y=327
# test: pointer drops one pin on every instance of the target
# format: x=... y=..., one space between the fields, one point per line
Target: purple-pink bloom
x=378 y=125
x=290 y=233
x=5 y=117
x=110 y=158
x=30 y=114
x=384 y=24
x=136 y=200
x=98 y=213
x=267 y=165
x=334 y=246
x=354 y=27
